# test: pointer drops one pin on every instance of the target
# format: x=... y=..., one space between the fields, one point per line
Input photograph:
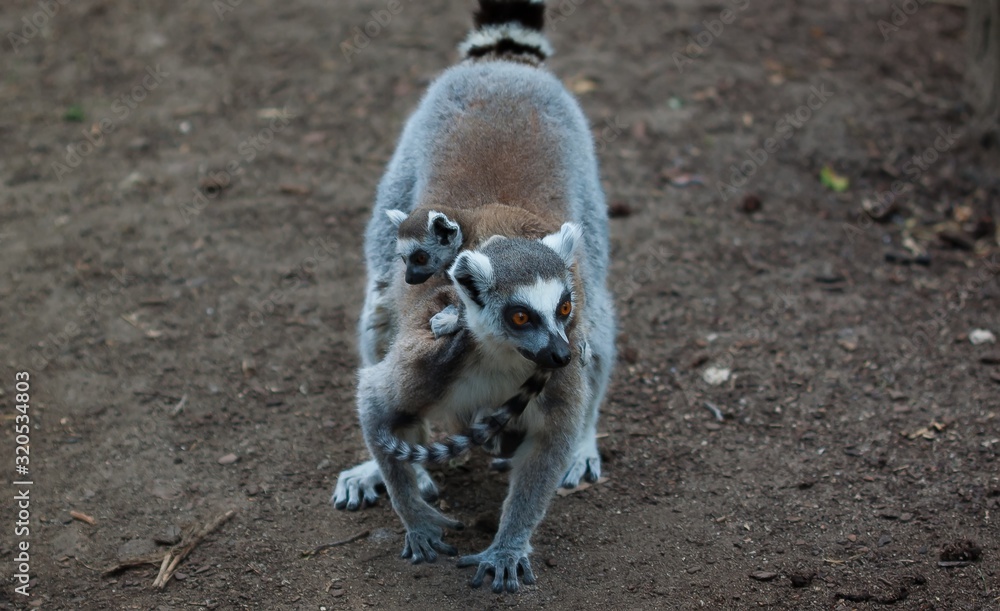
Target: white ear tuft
x=444 y=229
x=565 y=242
x=396 y=216
x=491 y=239
x=472 y=274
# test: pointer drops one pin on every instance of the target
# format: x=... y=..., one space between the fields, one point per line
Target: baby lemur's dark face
x=427 y=241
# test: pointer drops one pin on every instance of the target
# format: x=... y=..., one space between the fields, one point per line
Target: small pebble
x=801 y=580
x=982 y=336
x=716 y=375
x=228 y=459
x=171 y=535
x=619 y=209
x=750 y=204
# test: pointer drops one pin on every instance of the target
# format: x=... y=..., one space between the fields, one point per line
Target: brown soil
x=188 y=289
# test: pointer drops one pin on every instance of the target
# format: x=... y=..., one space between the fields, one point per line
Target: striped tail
x=482 y=433
x=508 y=29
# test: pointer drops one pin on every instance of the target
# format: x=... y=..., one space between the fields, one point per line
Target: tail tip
x=508 y=28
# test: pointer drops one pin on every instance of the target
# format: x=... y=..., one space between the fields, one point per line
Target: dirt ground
x=184 y=189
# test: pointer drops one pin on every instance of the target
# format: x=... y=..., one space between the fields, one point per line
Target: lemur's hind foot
x=361 y=486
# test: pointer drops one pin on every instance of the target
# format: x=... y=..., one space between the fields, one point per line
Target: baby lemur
x=497 y=129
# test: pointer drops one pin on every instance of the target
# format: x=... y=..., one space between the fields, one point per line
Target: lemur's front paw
x=445 y=322
x=358 y=487
x=586 y=465
x=424 y=542
x=503 y=565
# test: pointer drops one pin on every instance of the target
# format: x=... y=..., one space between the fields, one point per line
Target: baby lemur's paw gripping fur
x=446 y=322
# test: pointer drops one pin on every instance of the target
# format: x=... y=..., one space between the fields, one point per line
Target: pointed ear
x=472 y=274
x=565 y=242
x=491 y=239
x=396 y=216
x=445 y=229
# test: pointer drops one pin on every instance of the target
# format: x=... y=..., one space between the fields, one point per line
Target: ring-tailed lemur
x=495 y=129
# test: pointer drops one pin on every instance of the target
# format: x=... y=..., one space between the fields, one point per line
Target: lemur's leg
x=362 y=485
x=378 y=322
x=538 y=465
x=597 y=359
x=424 y=524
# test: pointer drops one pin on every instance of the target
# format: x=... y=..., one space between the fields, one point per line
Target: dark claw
x=477 y=581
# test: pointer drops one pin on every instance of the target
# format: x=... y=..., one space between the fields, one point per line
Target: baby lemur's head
x=518 y=293
x=427 y=241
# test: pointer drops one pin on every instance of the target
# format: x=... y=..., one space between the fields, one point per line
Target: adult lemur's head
x=519 y=293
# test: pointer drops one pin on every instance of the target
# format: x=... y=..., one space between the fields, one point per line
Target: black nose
x=415 y=277
x=556 y=354
x=561 y=359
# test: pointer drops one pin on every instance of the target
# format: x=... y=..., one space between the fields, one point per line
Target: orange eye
x=519 y=318
x=565 y=308
x=419 y=258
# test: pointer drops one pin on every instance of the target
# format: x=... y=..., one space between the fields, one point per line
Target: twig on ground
x=178 y=553
x=168 y=561
x=712 y=407
x=180 y=406
x=322 y=548
x=78 y=515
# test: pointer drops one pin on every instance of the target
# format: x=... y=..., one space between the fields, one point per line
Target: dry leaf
x=581 y=85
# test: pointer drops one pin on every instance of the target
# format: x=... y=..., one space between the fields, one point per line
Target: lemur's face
x=431 y=252
x=519 y=292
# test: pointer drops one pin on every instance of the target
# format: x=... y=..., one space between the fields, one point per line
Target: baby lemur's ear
x=396 y=216
x=445 y=229
x=564 y=242
x=472 y=274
